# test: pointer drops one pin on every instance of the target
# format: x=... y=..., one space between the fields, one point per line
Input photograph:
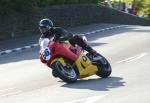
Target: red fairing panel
x=62 y=49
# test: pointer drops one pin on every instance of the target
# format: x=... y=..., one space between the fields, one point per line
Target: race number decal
x=46 y=54
x=83 y=62
x=84 y=58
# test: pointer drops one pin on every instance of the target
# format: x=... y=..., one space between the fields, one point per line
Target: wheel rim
x=69 y=72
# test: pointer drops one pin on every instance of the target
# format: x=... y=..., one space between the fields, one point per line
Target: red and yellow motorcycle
x=70 y=63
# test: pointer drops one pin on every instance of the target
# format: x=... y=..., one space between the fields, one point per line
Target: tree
x=140 y=6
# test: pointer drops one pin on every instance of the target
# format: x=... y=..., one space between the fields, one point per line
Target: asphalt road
x=23 y=79
x=15 y=42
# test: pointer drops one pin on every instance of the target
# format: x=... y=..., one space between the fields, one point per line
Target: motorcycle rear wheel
x=66 y=74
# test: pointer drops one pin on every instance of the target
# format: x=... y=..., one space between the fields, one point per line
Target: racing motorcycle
x=70 y=63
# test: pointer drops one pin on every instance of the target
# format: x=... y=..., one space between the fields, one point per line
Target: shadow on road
x=98 y=84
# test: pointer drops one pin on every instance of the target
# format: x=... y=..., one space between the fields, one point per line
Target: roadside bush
x=88 y=1
x=71 y=1
x=8 y=6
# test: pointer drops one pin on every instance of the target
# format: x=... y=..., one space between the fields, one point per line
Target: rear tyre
x=67 y=73
x=104 y=67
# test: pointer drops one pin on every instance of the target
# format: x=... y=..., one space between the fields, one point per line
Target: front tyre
x=66 y=73
x=104 y=67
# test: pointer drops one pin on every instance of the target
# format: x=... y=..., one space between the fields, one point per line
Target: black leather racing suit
x=61 y=34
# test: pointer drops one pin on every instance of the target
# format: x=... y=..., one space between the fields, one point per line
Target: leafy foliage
x=8 y=6
x=141 y=6
x=144 y=5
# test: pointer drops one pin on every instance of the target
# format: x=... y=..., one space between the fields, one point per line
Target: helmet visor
x=43 y=29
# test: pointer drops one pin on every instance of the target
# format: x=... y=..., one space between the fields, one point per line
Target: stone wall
x=25 y=24
x=118 y=17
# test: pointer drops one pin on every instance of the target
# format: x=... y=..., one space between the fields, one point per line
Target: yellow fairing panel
x=61 y=60
x=85 y=67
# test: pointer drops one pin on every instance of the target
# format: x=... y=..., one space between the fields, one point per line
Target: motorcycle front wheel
x=104 y=67
x=65 y=73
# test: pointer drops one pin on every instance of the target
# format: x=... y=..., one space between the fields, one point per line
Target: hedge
x=9 y=6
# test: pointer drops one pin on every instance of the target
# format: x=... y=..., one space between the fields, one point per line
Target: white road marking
x=140 y=56
x=6 y=89
x=92 y=99
x=11 y=93
x=134 y=58
x=18 y=49
x=35 y=45
x=27 y=47
x=8 y=51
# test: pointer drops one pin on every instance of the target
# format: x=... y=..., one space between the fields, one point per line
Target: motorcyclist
x=48 y=31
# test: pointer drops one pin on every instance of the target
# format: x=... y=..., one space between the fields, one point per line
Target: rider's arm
x=62 y=35
x=43 y=42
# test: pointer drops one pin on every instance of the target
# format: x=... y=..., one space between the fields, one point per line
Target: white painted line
x=91 y=99
x=107 y=29
x=87 y=33
x=18 y=49
x=98 y=30
x=127 y=59
x=93 y=32
x=111 y=27
x=8 y=51
x=138 y=57
x=34 y=45
x=102 y=29
x=3 y=90
x=9 y=94
x=134 y=58
x=27 y=47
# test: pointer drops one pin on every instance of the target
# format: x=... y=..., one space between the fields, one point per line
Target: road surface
x=23 y=79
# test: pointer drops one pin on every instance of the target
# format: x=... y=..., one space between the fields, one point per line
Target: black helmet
x=45 y=25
